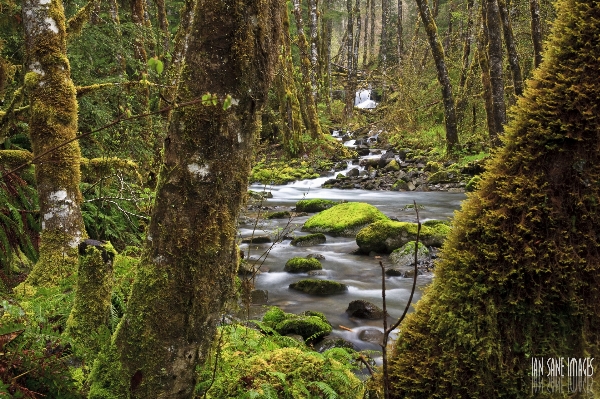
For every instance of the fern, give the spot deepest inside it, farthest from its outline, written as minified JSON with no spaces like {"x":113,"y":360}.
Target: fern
{"x":325,"y":388}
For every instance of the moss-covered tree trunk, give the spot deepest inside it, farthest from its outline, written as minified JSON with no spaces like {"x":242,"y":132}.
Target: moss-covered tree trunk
{"x":511,"y":48}
{"x":442,"y":75}
{"x":53,"y":121}
{"x":187,"y":272}
{"x":519,"y":275}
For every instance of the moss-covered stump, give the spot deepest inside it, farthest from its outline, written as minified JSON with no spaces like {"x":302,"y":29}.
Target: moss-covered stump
{"x":344,"y":219}
{"x":314,"y":205}
{"x":91,"y":307}
{"x":518,"y":278}
{"x":302,"y":265}
{"x":387,"y":235}
{"x":406,"y":254}
{"x":319,"y":287}
{"x":309,"y":240}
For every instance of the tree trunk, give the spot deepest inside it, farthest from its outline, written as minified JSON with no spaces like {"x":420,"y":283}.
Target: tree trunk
{"x":385,"y":33}
{"x":308,"y":99}
{"x":442,"y":75}
{"x":187,"y":272}
{"x":494,"y":36}
{"x":314,"y":56}
{"x":325,"y":53}
{"x":53,"y":111}
{"x":163,"y":25}
{"x":366,"y":36}
{"x":372,"y":35}
{"x":536,"y":32}
{"x":484,"y":65}
{"x":468,"y":39}
{"x":350,"y":62}
{"x":400,"y":45}
{"x":511,"y":48}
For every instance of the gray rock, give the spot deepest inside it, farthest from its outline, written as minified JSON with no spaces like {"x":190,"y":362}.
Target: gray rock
{"x":371,"y":335}
{"x":256,"y":240}
{"x":259,"y":297}
{"x":364,"y":310}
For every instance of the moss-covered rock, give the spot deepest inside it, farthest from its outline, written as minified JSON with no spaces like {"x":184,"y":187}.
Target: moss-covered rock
{"x":443,"y":177}
{"x":302,"y":265}
{"x":364,"y":310}
{"x":274,"y":316}
{"x":388,"y":235}
{"x":309,"y":240}
{"x":278,"y":215}
{"x":406,"y":254}
{"x":314,"y":205}
{"x":392,"y":166}
{"x":305,"y":326}
{"x":344,"y":219}
{"x":319,"y":287}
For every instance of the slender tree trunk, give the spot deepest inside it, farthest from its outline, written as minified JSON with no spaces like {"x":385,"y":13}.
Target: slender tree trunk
{"x":163,"y":25}
{"x":325,"y":53}
{"x":468,"y":39}
{"x":366,"y":35}
{"x":536,"y":31}
{"x":484,"y":64}
{"x":442,"y":75}
{"x":494,"y":36}
{"x":312,"y":119}
{"x":448,"y":39}
{"x":314,"y":56}
{"x":188,"y":269}
{"x":53,"y":111}
{"x":385,"y":31}
{"x":350,"y":62}
{"x":511,"y":48}
{"x":357,"y":36}
{"x":372,"y":35}
{"x":400,"y":38}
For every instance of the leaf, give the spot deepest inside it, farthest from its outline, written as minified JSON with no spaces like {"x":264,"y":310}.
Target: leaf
{"x":152,"y":63}
{"x":227,"y":102}
{"x":159,"y":66}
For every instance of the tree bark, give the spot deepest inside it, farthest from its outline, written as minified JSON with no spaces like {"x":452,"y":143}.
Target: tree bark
{"x":442,"y":75}
{"x":536,"y":32}
{"x":308,"y":96}
{"x":400,"y":45}
{"x":484,"y":65}
{"x":366,"y":36}
{"x":349,"y":107}
{"x":494,"y":36}
{"x":511,"y":48}
{"x":372,"y":35}
{"x":187,"y":272}
{"x":53,"y":111}
{"x":314,"y":56}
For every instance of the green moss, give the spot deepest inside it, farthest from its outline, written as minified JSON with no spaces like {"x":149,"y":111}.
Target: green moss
{"x":302,"y":265}
{"x":305,"y":326}
{"x":472,"y":184}
{"x":278,"y":215}
{"x":344,"y":219}
{"x":409,"y":249}
{"x":392,"y":166}
{"x":94,"y":169}
{"x":319,"y":287}
{"x":309,"y":240}
{"x":442,"y":177}
{"x":387,"y":235}
{"x":274,"y":316}
{"x":314,"y":205}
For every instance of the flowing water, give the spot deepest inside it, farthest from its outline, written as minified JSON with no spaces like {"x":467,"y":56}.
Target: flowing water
{"x":361,"y":273}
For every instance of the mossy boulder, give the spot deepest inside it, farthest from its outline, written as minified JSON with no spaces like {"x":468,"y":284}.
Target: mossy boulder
{"x":314,"y":205}
{"x":443,"y":176}
{"x":309,"y":240}
{"x":364,"y":310}
{"x":305,"y":326}
{"x":278,"y":215}
{"x":392,"y":166}
{"x":302,"y":265}
{"x":387,"y":235}
{"x":344,"y":219}
{"x":274,"y":316}
{"x":406,"y":254}
{"x":319,"y":287}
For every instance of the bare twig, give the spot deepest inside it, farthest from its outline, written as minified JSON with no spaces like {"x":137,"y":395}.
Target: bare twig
{"x":387,"y":331}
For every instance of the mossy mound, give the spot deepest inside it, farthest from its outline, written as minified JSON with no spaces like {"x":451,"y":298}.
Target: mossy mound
{"x":443,"y":176}
{"x":518,"y":276}
{"x":319,"y":287}
{"x":314,"y":205}
{"x":388,"y":235}
{"x":309,"y":324}
{"x":344,"y":219}
{"x":309,"y":240}
{"x":278,"y":215}
{"x":282,"y":172}
{"x":302,"y":265}
{"x":406,"y":254}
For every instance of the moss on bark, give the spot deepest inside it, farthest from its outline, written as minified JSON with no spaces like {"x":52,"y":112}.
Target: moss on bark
{"x":518,"y":276}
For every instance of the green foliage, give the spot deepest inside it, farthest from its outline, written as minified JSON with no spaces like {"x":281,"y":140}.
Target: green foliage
{"x":302,"y":265}
{"x":255,"y":365}
{"x":344,"y":219}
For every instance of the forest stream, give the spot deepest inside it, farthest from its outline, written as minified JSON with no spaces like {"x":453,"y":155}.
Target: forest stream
{"x":361,"y":273}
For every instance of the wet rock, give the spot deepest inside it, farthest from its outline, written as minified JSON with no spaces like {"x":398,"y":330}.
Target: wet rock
{"x":333,"y":342}
{"x":309,"y":240}
{"x":314,"y":205}
{"x":405,"y":255}
{"x":319,"y":287}
{"x":371,"y":335}
{"x":364,"y":310}
{"x":386,"y":158}
{"x":354,"y":172}
{"x":316,"y":256}
{"x":394,"y":272}
{"x":343,"y":219}
{"x":259,"y":297}
{"x":411,"y":273}
{"x":256,"y":239}
{"x":302,"y":265}
{"x":278,"y":215}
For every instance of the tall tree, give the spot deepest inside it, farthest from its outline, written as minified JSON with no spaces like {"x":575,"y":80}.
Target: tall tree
{"x":188,"y":269}
{"x":442,"y":74}
{"x":366,"y":36}
{"x":494,"y":37}
{"x":314,"y":56}
{"x":536,"y":31}
{"x":350,"y":61}
{"x":53,"y":110}
{"x":511,"y":48}
{"x":518,"y":276}
{"x":400,"y":45}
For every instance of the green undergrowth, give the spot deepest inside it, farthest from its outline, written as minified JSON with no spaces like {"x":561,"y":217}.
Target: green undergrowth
{"x":252,"y":364}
